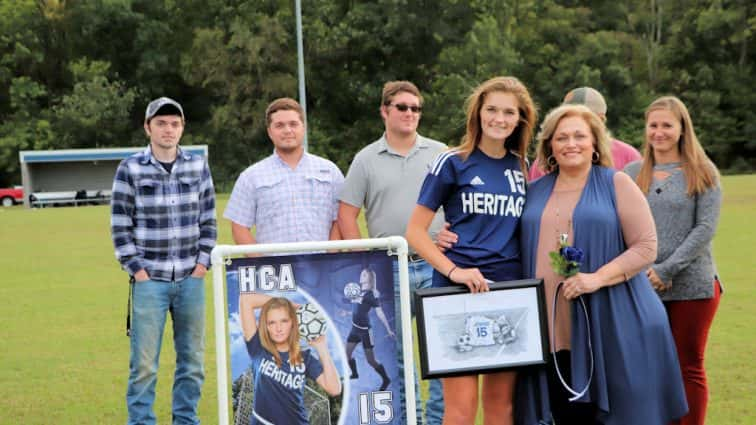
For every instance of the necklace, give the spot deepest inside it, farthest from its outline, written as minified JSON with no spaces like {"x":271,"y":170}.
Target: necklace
{"x":561,"y":238}
{"x":566,"y":186}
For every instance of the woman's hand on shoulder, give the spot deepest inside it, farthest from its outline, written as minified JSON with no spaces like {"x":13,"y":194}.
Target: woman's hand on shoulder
{"x":580,"y":284}
{"x":472,"y":278}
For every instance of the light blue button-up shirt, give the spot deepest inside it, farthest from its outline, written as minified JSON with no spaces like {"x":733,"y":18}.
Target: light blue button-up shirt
{"x":285,"y":204}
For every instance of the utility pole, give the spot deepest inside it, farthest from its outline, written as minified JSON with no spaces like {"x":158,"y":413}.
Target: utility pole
{"x":300,"y":66}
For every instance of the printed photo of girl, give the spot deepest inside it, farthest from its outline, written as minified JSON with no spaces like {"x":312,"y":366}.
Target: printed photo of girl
{"x":279,"y":364}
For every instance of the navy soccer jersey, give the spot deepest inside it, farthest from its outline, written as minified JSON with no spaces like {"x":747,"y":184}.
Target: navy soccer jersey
{"x":279,"y":392}
{"x":483,"y":199}
{"x":361,"y":310}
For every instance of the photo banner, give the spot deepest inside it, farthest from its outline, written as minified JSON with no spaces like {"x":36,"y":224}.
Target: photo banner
{"x":348,"y":298}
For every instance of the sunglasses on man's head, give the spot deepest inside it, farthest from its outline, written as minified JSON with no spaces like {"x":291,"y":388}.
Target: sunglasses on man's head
{"x":401,"y":107}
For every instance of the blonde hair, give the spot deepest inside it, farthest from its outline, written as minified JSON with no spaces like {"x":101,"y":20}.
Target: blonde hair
{"x":700,"y":172}
{"x":520,"y":138}
{"x":295,"y":354}
{"x":550,"y":124}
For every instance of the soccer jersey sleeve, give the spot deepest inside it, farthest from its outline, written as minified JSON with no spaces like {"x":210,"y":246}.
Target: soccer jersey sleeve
{"x":254,"y":347}
{"x":313,"y":367}
{"x":440,"y":181}
{"x":371,"y":300}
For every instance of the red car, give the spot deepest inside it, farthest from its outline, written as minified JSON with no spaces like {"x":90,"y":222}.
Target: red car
{"x":11,"y":196}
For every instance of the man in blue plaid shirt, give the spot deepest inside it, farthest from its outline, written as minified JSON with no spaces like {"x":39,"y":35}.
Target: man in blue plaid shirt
{"x":163,"y":228}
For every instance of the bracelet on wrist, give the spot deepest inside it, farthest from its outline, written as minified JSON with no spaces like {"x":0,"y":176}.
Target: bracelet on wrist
{"x":448,"y":275}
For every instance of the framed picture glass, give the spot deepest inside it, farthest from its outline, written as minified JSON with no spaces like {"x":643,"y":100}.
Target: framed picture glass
{"x":461,"y":333}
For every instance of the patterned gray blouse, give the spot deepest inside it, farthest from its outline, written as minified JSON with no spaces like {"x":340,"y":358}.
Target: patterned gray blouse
{"x":685,"y":227}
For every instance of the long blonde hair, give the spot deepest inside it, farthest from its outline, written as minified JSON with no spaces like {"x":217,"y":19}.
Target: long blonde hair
{"x":549,"y":126}
{"x":295,"y":354}
{"x":700,"y":172}
{"x":520,"y":138}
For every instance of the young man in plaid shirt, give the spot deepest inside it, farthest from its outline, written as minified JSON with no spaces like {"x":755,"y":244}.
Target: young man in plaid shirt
{"x":163,"y":228}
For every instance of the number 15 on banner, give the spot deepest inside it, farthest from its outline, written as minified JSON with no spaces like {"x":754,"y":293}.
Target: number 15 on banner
{"x":376,"y":408}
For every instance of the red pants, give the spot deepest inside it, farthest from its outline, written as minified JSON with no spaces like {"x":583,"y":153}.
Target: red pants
{"x":690,"y":322}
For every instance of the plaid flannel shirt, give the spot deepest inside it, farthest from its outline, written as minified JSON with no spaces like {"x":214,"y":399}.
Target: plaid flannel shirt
{"x":163,"y":222}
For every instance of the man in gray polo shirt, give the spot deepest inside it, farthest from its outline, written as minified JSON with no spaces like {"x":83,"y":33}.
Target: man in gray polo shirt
{"x":385,"y":178}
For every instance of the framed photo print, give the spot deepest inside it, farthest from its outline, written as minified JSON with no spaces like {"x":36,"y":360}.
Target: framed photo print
{"x":462,"y":333}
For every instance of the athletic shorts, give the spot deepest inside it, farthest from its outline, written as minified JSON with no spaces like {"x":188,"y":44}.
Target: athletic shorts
{"x":365,"y":336}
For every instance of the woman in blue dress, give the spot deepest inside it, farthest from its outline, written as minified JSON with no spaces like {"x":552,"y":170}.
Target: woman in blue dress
{"x":279,"y":364}
{"x":481,"y":186}
{"x":614,"y":360}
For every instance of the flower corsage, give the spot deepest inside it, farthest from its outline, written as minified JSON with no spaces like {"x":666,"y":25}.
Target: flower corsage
{"x":567,"y":260}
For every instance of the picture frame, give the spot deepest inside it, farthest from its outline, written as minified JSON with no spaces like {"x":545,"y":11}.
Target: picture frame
{"x":461,"y":333}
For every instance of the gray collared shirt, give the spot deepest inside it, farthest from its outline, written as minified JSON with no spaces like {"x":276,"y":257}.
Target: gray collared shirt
{"x":387,"y":184}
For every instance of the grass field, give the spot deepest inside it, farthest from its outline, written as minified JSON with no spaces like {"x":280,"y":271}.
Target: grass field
{"x":64,"y":353}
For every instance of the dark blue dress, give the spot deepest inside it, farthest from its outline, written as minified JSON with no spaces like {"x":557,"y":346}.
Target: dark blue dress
{"x":637,"y":379}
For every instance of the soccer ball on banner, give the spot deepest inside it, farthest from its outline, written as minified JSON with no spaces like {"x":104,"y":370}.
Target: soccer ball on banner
{"x":352,"y":291}
{"x":464,"y":343}
{"x":507,"y":333}
{"x":312,"y":323}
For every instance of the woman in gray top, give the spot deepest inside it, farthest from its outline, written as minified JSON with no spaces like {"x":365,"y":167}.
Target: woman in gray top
{"x":682,"y":187}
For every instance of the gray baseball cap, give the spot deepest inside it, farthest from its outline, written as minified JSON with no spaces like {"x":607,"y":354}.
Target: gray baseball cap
{"x":155,"y":105}
{"x":589,"y":97}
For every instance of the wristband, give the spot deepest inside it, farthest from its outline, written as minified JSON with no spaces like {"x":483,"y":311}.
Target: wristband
{"x":448,"y":275}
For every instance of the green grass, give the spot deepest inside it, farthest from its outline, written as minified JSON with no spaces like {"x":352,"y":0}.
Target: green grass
{"x":64,"y":354}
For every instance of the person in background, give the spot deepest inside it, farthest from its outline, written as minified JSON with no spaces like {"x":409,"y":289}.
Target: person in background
{"x":683,"y":190}
{"x":488,"y":165}
{"x":290,"y":196}
{"x":613,"y":359}
{"x":622,"y":153}
{"x":163,"y":227}
{"x":385,"y":178}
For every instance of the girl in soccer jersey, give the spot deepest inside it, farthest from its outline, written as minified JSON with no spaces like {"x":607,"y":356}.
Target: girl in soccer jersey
{"x":481,"y":186}
{"x":279,"y":364}
{"x":361,"y":331}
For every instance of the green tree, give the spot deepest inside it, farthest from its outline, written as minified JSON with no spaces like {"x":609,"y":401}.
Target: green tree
{"x":92,"y":115}
{"x":26,"y":127}
{"x":241,"y":64}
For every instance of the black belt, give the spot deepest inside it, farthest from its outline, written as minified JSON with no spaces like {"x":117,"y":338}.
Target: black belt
{"x":414,"y":258}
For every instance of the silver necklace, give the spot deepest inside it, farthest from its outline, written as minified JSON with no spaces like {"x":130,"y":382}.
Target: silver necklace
{"x":561,"y":237}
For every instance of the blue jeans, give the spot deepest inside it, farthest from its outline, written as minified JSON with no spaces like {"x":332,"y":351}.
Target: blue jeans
{"x":420,"y":276}
{"x":152,"y":300}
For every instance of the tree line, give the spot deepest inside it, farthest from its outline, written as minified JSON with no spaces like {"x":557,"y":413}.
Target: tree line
{"x":78,"y":73}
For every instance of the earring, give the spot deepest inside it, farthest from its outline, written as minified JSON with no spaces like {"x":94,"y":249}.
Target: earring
{"x":551,"y":161}
{"x":595,"y":156}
